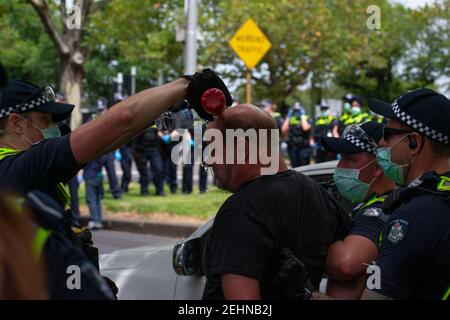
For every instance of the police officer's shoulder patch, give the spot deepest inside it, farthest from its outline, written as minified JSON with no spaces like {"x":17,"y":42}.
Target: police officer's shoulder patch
{"x":395,"y":232}
{"x":372,"y":212}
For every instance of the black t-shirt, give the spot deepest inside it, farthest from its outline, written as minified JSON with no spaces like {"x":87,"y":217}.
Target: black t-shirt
{"x":414,"y":255}
{"x":266,"y":215}
{"x":42,"y":167}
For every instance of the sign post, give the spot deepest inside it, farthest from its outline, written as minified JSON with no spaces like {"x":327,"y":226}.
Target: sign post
{"x":250,"y":45}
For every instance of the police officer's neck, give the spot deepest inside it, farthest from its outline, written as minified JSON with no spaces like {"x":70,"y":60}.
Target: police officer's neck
{"x":381,"y":185}
{"x":13,"y":142}
{"x":426,"y":163}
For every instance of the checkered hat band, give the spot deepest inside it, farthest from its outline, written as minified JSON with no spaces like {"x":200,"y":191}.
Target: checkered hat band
{"x":413,"y":123}
{"x":364,"y":145}
{"x":5,"y":112}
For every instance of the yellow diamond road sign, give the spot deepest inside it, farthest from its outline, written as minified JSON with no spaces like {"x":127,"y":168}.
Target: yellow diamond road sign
{"x":250,"y":44}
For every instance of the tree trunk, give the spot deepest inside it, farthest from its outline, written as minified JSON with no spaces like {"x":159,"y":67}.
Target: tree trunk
{"x":70,"y":85}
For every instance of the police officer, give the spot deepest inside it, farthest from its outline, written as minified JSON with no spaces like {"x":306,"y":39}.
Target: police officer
{"x":34,"y":156}
{"x":169,"y":167}
{"x":325,"y":126}
{"x":297,"y":126}
{"x":346,"y":111}
{"x":147,"y":149}
{"x":271,"y":108}
{"x":415,"y":244}
{"x":70,"y":274}
{"x":126,"y":162}
{"x":357,"y":115}
{"x":109,"y":163}
{"x":360,"y":179}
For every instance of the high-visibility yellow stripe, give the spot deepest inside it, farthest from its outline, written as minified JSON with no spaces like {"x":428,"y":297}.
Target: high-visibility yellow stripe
{"x":40,"y":238}
{"x":447,"y":294}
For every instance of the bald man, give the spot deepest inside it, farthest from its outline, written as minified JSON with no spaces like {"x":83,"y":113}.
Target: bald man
{"x":267,"y":212}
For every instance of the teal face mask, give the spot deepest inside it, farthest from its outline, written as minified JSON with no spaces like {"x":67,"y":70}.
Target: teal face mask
{"x":347,"y":107}
{"x":51,"y":132}
{"x":391,"y":170}
{"x":356,"y":111}
{"x":349,"y":185}
{"x":48,"y":133}
{"x":324,"y":113}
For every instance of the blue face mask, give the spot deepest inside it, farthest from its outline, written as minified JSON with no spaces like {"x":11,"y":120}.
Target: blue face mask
{"x":391,"y":170}
{"x":349,"y":185}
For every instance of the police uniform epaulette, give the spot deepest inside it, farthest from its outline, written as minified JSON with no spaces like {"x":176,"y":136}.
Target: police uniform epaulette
{"x":430,"y":182}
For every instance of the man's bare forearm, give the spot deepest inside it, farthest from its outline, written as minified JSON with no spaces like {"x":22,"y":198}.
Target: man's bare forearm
{"x":124,"y":121}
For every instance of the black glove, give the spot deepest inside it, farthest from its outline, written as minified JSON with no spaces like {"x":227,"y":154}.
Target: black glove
{"x":199,"y":83}
{"x":291,"y":277}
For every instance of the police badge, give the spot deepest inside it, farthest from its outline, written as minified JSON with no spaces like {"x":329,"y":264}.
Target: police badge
{"x":397,"y":231}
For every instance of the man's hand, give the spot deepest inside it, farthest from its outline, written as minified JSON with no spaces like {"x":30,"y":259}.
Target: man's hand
{"x":291,"y":277}
{"x":199,"y":83}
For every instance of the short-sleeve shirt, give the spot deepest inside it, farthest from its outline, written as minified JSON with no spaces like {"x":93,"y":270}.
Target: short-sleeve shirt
{"x":414,"y":255}
{"x":369,"y":221}
{"x":42,"y":167}
{"x":266,"y":215}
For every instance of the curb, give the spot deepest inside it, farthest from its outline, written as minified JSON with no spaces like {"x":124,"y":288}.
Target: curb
{"x":155,"y":228}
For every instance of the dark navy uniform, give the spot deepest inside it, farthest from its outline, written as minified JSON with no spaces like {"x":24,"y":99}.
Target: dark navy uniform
{"x":61,"y":257}
{"x":323,"y":128}
{"x":298,"y":141}
{"x":147,"y":148}
{"x":126,"y":163}
{"x":414,"y":254}
{"x":369,"y":219}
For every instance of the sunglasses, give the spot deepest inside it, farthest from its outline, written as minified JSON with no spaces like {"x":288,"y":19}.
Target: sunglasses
{"x":389,"y":132}
{"x":47,"y":92}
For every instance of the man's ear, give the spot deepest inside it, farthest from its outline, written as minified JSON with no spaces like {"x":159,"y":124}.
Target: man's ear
{"x":416,"y":142}
{"x":15,"y":124}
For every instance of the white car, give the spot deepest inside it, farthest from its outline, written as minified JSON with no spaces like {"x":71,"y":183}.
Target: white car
{"x":174,"y":270}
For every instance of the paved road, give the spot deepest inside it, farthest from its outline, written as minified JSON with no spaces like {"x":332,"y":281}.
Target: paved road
{"x":110,"y":241}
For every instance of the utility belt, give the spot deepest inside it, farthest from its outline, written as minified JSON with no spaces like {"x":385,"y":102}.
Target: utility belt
{"x":298,"y":141}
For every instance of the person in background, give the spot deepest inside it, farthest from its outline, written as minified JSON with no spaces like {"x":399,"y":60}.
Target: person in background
{"x":326,"y":125}
{"x":188,"y":168}
{"x":271,"y":108}
{"x":357,"y":115}
{"x":109,"y":163}
{"x":147,"y":149}
{"x":93,"y":178}
{"x":169,"y":167}
{"x":346,"y":111}
{"x":126,"y":163}
{"x":297,"y":126}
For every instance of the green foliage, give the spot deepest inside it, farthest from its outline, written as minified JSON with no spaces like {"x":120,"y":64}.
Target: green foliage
{"x":27,"y":52}
{"x":319,"y":48}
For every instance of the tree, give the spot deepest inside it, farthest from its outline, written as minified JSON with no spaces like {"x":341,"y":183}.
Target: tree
{"x":67,"y":37}
{"x":139,"y":33}
{"x":25,"y":52}
{"x":429,"y":53}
